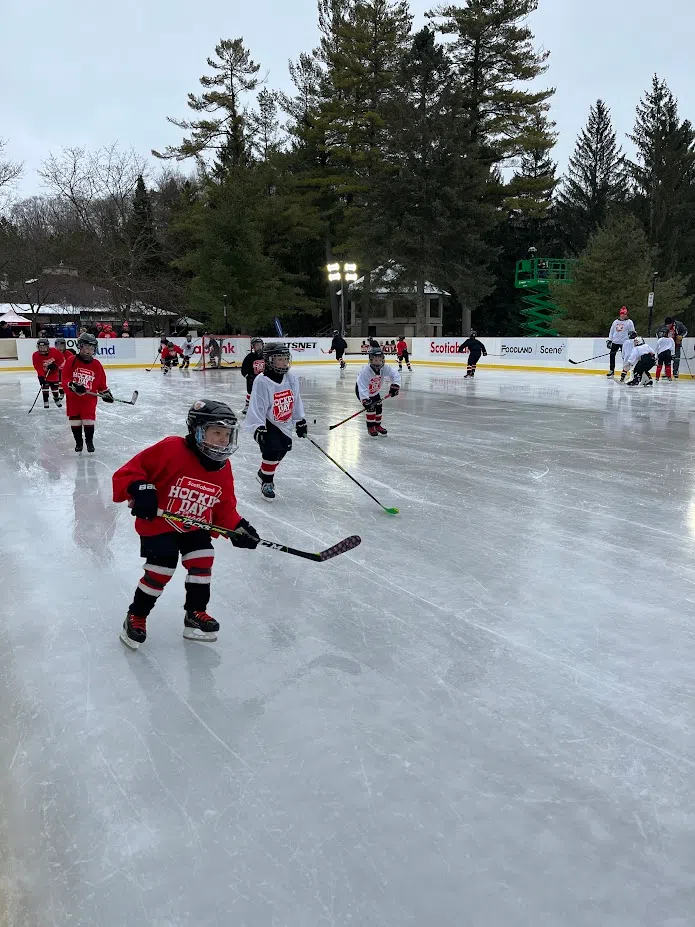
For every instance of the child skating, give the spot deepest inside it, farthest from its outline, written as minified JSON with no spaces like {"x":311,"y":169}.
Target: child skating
{"x":83,"y":378}
{"x":402,"y":353}
{"x":665,"y":349}
{"x":368,"y":389}
{"x":48,"y":364}
{"x":251,"y":367}
{"x":187,"y":476}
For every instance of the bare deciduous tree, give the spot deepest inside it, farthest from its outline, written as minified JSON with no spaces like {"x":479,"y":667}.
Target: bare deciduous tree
{"x":10,"y":171}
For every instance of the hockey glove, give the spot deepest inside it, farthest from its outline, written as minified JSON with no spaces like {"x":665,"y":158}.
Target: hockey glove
{"x":77,"y":388}
{"x":371,"y":402}
{"x":609,"y":344}
{"x":106,"y":395}
{"x":259,"y":436}
{"x":50,"y":366}
{"x":394,"y":391}
{"x":301,"y":429}
{"x":249,"y":537}
{"x":144,"y":497}
{"x":43,"y":381}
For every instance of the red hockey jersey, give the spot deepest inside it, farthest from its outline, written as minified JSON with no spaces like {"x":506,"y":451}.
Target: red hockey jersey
{"x":171,"y":351}
{"x":91,"y":375}
{"x":41,"y":362}
{"x":183,"y":486}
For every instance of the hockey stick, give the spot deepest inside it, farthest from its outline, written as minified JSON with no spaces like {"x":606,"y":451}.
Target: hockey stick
{"x":127,"y":402}
{"x":35,"y":401}
{"x":354,"y":415}
{"x":391,"y":511}
{"x":340,"y":548}
{"x":590,"y":358}
{"x":150,"y":369}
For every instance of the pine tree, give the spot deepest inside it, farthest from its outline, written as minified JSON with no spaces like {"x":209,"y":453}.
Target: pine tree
{"x":430,"y":210}
{"x":596,"y":180}
{"x":614,"y":270}
{"x":530,"y":192}
{"x":663,"y":175}
{"x":225,"y":130}
{"x":496,"y":60}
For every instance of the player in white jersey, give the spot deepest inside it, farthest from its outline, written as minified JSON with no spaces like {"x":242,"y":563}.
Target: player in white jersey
{"x":275,"y":407}
{"x":369,"y":385}
{"x":641,"y":360}
{"x":621,"y":329}
{"x":188,"y":351}
{"x":665,"y":349}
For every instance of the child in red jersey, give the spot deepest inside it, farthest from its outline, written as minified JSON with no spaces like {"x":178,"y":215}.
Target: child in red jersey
{"x":61,"y":346}
{"x":170,"y":354}
{"x":48,"y":363}
{"x":83,"y":374}
{"x":187,"y":476}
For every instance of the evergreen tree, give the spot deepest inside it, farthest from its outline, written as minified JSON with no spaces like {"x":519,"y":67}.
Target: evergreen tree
{"x":596,"y":180}
{"x":614,"y":269}
{"x":224,"y":129}
{"x":530,"y":191}
{"x":429,"y":203}
{"x":663,"y":175}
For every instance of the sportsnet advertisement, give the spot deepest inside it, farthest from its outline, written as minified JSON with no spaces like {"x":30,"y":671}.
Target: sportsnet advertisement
{"x":507,"y":352}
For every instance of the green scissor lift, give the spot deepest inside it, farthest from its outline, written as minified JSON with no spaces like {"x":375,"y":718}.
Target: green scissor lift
{"x":534,"y":276}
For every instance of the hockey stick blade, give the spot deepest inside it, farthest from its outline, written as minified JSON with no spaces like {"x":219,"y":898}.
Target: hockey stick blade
{"x":342,"y":547}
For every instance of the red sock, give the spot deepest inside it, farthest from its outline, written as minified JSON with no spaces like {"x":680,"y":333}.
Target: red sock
{"x":668,"y":372}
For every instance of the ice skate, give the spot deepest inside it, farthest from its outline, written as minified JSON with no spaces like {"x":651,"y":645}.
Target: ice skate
{"x":373,"y":433}
{"x":79,"y":447}
{"x":648,"y":383}
{"x":381,"y":431}
{"x":90,"y":447}
{"x":267,"y":487}
{"x":134,"y":631}
{"x":58,"y":403}
{"x":635,"y":381}
{"x":45,"y":403}
{"x":199,"y":626}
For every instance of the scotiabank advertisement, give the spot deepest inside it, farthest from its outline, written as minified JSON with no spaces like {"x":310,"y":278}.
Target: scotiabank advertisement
{"x":532,"y":352}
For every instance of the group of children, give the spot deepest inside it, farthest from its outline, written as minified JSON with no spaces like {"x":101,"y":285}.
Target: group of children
{"x":76,"y":377}
{"x":638,"y":356}
{"x":192,"y":478}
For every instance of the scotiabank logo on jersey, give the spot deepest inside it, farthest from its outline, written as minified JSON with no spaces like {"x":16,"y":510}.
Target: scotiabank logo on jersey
{"x":283,"y":403}
{"x":374,"y":386}
{"x":258,"y":366}
{"x":193,"y":497}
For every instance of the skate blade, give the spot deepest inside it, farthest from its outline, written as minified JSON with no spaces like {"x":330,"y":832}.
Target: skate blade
{"x":193,"y":634}
{"x":131,"y":645}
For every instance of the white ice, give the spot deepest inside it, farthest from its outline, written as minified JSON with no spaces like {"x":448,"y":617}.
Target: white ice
{"x":481,"y":717}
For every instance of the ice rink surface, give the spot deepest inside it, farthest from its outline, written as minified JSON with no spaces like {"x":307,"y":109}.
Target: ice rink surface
{"x":482,"y":717}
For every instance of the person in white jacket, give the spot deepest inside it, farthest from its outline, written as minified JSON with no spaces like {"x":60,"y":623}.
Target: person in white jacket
{"x":275,"y":407}
{"x":641,"y":360}
{"x":665,"y":349}
{"x":621,"y":329}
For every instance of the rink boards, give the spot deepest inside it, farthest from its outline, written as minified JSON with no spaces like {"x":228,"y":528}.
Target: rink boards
{"x":540,"y":354}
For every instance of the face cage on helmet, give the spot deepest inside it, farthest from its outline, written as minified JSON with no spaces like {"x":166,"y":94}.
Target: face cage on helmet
{"x":214,"y":452}
{"x":272,"y":357}
{"x":85,"y":347}
{"x":377,"y":357}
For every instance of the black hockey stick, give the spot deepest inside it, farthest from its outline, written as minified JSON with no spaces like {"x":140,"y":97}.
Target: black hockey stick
{"x":150,"y":369}
{"x":35,"y":401}
{"x":591,"y":358}
{"x":127,"y":402}
{"x":391,"y":511}
{"x":340,"y":548}
{"x":354,"y":415}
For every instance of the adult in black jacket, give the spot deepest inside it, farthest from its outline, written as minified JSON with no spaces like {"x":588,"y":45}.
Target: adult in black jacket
{"x":475,"y":349}
{"x":339,"y":345}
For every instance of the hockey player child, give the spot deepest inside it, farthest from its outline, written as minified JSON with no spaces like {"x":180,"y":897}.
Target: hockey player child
{"x":475,"y":349}
{"x":275,"y":406}
{"x":170,"y":354}
{"x":641,"y":360}
{"x":186,"y":476}
{"x":368,"y":389}
{"x":48,"y":363}
{"x":621,"y":329}
{"x":402,"y":352}
{"x":251,"y":367}
{"x":84,"y":374}
{"x":339,"y":345}
{"x":677,"y":331}
{"x":188,"y":351}
{"x":62,"y":346}
{"x":665,"y":348}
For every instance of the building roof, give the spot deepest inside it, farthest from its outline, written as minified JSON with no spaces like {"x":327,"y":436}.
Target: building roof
{"x":386,"y":275}
{"x":53,"y":309}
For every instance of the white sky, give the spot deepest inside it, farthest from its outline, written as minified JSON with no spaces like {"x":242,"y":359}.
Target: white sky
{"x":82,"y":73}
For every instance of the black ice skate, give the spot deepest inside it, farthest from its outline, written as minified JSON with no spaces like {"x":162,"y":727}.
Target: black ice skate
{"x":90,"y":447}
{"x":58,"y":403}
{"x":648,"y":383}
{"x":267,"y":487}
{"x":380,"y":430}
{"x":199,"y":626}
{"x":610,"y":374}
{"x":45,"y":403}
{"x":134,"y":631}
{"x":635,"y":381}
{"x":79,"y":447}
{"x":622,"y":377}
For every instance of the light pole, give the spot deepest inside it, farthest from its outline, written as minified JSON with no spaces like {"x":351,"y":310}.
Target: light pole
{"x":650,"y":303}
{"x":224,"y":307}
{"x":342,"y":273}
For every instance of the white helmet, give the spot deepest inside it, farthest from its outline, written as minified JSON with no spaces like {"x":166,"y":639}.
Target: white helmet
{"x":638,"y":340}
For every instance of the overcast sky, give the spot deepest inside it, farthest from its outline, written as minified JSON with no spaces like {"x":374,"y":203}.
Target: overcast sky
{"x":78,"y":72}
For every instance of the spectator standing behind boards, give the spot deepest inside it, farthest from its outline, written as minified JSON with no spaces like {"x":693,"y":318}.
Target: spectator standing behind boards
{"x":5,"y":330}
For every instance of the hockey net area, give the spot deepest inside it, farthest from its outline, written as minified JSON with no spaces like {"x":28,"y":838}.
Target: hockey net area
{"x":211,"y":358}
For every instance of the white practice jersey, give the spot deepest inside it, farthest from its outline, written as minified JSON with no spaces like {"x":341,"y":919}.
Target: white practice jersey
{"x":370,"y":383}
{"x":639,"y":351}
{"x":665,"y":344}
{"x":626,"y":351}
{"x":620,"y":330}
{"x":188,"y":349}
{"x":278,"y":403}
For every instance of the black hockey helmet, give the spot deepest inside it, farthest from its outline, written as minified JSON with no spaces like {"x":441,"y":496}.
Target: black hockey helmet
{"x":255,"y":341}
{"x":374,"y":354}
{"x":275,"y":351}
{"x":60,"y":340}
{"x":207,"y":412}
{"x":474,"y":334}
{"x":43,"y":343}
